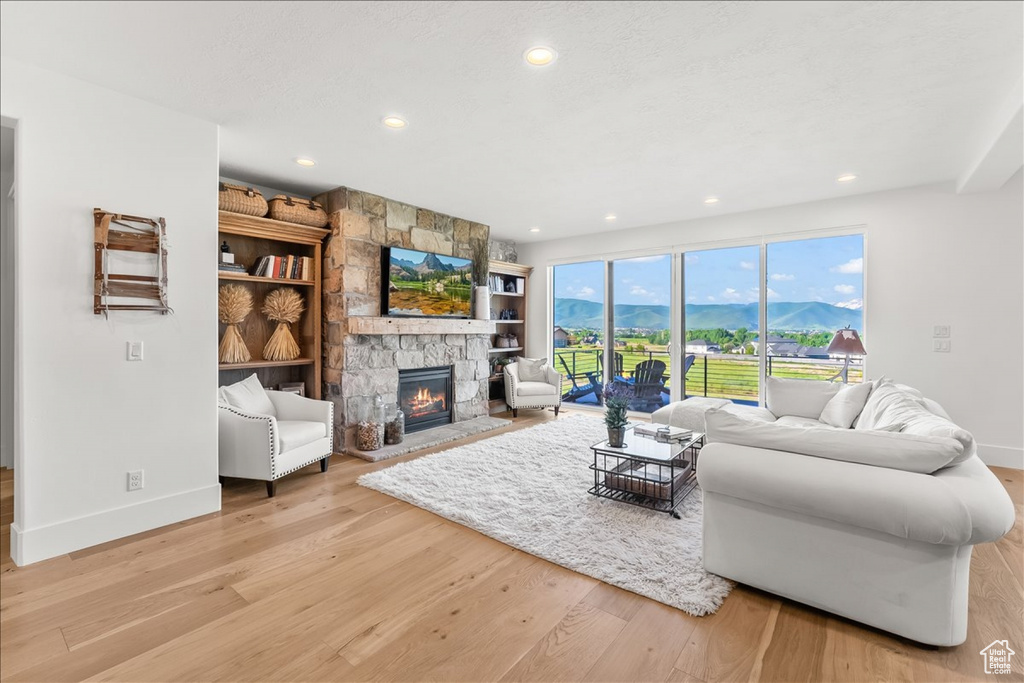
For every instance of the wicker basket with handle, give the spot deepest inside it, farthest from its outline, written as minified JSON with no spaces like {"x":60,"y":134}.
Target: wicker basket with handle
{"x":241,"y":199}
{"x":295,"y":210}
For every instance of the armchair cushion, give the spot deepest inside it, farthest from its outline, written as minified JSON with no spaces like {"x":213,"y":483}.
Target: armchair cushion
{"x":249,"y":396}
{"x":296,"y":433}
{"x":533,"y":369}
{"x":536,"y":389}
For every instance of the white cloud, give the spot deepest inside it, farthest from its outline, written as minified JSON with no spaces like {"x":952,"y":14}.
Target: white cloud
{"x":711,"y":298}
{"x":691,"y":258}
{"x":853,"y":304}
{"x":845,"y":289}
{"x":747,"y":265}
{"x":581,"y":291}
{"x":637,"y":290}
{"x":626,"y":280}
{"x":772,"y":294}
{"x":730,"y":294}
{"x":783,"y":277}
{"x":851,"y":267}
{"x":691,"y":298}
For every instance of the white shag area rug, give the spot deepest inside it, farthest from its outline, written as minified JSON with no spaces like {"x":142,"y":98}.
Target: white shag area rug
{"x":528,"y":489}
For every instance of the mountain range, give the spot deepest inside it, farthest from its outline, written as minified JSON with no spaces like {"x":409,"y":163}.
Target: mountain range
{"x":792,"y":316}
{"x":402,"y":268}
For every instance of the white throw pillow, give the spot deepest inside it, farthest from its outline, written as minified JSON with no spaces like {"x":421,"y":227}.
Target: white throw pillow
{"x":799,"y":397}
{"x":908,"y":452}
{"x":533,"y":369}
{"x":843,"y":408}
{"x":249,"y":396}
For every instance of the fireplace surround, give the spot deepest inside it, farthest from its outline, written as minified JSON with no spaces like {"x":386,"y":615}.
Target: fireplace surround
{"x":425,"y":396}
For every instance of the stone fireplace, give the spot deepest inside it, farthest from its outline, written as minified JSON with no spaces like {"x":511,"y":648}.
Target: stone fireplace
{"x":364,"y":354}
{"x":425,"y":396}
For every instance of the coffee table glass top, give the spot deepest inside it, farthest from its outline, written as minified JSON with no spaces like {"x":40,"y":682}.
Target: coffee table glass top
{"x":646,"y":448}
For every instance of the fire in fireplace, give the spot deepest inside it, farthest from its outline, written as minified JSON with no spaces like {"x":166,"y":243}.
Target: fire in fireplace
{"x":425,"y":396}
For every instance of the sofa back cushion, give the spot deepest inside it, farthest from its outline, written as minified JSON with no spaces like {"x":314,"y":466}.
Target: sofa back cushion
{"x":249,"y":396}
{"x":799,"y":397}
{"x":843,"y":408}
{"x":895,"y":450}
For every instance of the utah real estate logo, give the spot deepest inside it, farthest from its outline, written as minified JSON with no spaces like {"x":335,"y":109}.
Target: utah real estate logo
{"x":997,"y":657}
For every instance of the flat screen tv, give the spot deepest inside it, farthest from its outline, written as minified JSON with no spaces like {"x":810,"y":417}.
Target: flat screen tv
{"x":424,"y":285}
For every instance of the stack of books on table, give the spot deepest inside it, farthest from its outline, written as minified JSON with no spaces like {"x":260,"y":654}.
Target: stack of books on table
{"x":663,"y":433}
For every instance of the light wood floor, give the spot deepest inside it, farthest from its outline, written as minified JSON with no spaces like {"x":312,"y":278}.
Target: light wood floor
{"x":331,"y":581}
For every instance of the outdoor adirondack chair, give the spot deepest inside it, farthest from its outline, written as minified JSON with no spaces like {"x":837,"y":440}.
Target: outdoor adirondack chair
{"x":648,"y":384}
{"x":579,"y":389}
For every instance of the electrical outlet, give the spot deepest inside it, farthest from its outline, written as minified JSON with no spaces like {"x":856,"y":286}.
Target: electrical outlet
{"x":940,"y":345}
{"x":941,"y":332}
{"x":135,"y":480}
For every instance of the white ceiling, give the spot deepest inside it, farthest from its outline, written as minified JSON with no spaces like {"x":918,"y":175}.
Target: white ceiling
{"x":649,"y":108}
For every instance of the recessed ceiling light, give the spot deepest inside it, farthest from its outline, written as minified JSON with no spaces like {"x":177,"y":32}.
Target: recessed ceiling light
{"x":711,"y":200}
{"x":302,"y":161}
{"x":610,"y":217}
{"x":540,"y":56}
{"x":394,"y":122}
{"x":534,"y":229}
{"x":845,"y":178}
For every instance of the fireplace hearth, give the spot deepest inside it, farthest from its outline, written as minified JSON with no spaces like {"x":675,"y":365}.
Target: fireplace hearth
{"x":425,"y":396}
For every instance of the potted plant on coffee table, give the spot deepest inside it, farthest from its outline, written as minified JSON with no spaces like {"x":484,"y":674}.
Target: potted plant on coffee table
{"x":617,"y":396}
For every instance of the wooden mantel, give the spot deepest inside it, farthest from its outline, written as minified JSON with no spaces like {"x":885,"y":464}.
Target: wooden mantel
{"x":371,"y":325}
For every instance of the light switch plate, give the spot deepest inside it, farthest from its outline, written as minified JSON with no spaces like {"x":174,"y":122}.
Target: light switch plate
{"x":135,"y":350}
{"x":941,"y":332}
{"x":940,"y":345}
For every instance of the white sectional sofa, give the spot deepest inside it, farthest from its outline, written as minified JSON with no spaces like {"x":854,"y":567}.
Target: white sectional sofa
{"x":872,"y":517}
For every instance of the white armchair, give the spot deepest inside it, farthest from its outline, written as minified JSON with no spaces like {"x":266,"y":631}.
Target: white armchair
{"x":267,"y":439}
{"x":520,"y":394}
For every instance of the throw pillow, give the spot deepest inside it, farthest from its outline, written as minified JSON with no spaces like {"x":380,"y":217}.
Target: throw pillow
{"x":799,"y":397}
{"x":899,"y":451}
{"x":843,"y":408}
{"x":249,"y":396}
{"x":533,"y":369}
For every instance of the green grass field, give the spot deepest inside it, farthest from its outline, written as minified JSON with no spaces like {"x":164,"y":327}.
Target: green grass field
{"x":728,"y":376}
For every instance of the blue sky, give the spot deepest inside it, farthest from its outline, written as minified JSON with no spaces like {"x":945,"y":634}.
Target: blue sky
{"x":824,"y":269}
{"x":416,"y":257}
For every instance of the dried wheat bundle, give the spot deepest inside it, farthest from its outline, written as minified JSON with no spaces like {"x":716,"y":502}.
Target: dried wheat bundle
{"x":234,"y":302}
{"x":284,"y":306}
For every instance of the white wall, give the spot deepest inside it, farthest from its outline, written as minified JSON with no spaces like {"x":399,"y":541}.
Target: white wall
{"x":932,"y":257}
{"x":6,"y":296}
{"x":86,"y":415}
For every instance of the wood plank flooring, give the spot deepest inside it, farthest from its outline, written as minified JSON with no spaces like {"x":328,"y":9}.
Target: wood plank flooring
{"x":333,"y":582}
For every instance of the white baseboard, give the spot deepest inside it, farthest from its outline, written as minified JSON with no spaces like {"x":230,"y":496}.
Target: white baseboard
{"x":41,"y":543}
{"x":1001,"y":456}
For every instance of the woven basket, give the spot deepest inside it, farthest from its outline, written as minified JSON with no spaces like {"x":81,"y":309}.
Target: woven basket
{"x":295,"y":210}
{"x":241,"y":199}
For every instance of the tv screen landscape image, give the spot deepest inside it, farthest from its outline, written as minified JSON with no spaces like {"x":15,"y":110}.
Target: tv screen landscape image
{"x":429,"y":285}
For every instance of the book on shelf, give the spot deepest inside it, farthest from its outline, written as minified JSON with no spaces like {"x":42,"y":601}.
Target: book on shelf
{"x":289,"y":267}
{"x":231,"y":267}
{"x":520,"y":285}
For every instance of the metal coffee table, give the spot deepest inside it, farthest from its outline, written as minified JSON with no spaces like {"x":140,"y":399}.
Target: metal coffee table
{"x":646,"y":472}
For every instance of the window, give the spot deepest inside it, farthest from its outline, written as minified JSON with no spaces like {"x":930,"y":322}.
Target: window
{"x":814,"y":287}
{"x":721,"y":322}
{"x":579,"y":330}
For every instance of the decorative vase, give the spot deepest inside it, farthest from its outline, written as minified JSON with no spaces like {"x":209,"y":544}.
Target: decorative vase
{"x":482,"y":303}
{"x":615,"y":436}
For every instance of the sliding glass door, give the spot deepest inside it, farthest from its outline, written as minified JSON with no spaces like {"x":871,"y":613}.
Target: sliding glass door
{"x":578,"y":335}
{"x":722,"y":317}
{"x":709,"y":322}
{"x":641,"y":328}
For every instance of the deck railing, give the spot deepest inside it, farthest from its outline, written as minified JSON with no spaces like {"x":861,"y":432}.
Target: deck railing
{"x":725,"y":375}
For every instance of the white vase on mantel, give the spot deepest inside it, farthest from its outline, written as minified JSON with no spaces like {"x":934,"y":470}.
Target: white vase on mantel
{"x":482,"y":302}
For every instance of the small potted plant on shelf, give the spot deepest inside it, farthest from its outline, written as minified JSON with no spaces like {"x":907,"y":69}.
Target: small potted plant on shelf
{"x":617,"y":396}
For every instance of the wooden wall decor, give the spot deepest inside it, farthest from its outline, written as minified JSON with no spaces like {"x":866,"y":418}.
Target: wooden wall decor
{"x":140,"y":235}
